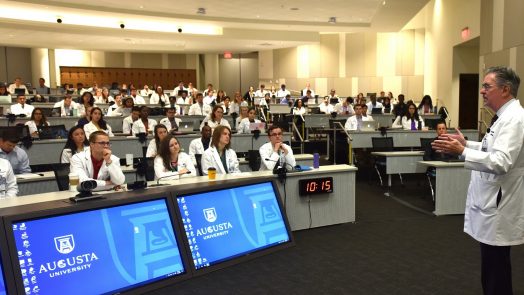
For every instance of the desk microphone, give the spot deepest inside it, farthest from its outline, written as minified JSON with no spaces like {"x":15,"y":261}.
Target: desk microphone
{"x":166,"y":176}
{"x":289,"y":165}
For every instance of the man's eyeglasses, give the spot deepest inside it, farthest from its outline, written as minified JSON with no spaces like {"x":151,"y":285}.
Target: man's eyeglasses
{"x":276,"y":134}
{"x":486,"y":86}
{"x":103,"y":143}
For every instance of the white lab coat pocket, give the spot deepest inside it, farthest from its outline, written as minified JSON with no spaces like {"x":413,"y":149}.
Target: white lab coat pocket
{"x":483,"y":194}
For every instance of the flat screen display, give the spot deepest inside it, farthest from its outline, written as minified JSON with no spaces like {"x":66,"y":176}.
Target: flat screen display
{"x":99,"y":251}
{"x":3,"y":288}
{"x":224,"y":224}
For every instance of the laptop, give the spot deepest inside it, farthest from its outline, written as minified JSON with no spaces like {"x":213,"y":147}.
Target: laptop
{"x":257,"y":126}
{"x":53,"y":132}
{"x":5,"y":99}
{"x":19,"y":91}
{"x":368,"y":126}
{"x":186,"y":127}
{"x":47,"y":112}
{"x":376,"y":111}
{"x":56,"y":112}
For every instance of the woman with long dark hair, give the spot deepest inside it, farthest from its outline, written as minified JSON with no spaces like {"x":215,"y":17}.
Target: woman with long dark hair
{"x":76,"y":142}
{"x":159,"y":97}
{"x":411,"y":120}
{"x":216,"y":118}
{"x":160,"y":132}
{"x":220,"y":155}
{"x":426,"y":105}
{"x":97,"y":123}
{"x":38,"y":120}
{"x":85,"y":101}
{"x":171,"y":163}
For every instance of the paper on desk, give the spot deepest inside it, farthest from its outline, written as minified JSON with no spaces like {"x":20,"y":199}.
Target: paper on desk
{"x":28,"y":176}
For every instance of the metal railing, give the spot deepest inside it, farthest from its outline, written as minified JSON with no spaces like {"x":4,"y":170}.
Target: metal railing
{"x":294,"y":126}
{"x":350,"y":146}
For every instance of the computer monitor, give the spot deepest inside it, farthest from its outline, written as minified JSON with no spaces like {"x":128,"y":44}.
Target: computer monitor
{"x":7,"y":285}
{"x":111,"y":248}
{"x":53,"y":132}
{"x":19,"y":91}
{"x":227,"y":224}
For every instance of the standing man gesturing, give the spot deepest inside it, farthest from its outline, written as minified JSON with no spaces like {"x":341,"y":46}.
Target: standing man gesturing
{"x":495,"y":204}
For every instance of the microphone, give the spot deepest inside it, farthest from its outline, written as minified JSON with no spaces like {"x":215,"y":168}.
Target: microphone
{"x":166,"y":176}
{"x":289,"y":165}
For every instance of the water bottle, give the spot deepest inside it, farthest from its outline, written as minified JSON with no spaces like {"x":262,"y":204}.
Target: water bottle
{"x":316,"y":160}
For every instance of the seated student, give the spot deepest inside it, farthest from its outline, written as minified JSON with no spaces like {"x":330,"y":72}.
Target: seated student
{"x":183,"y":99}
{"x":137,"y":99}
{"x":243,"y":114}
{"x":97,"y":162}
{"x":17,"y":84}
{"x":226,"y":105}
{"x":84,"y":102}
{"x":215,"y":119}
{"x":365,"y":113}
{"x":146,"y":91}
{"x":86,"y":118}
{"x":127,"y":123}
{"x":275,"y":151}
{"x":373,"y":104}
{"x":299,"y":109}
{"x":103,"y":96}
{"x":159,"y":97}
{"x":199,"y":145}
{"x":171,"y":163}
{"x":345,"y":107}
{"x":97,"y":123}
{"x":144,"y":124}
{"x":386,"y":103}
{"x":199,"y":108}
{"x":38,"y":98}
{"x":4,"y":92}
{"x":411,"y":120}
{"x":326,"y":107}
{"x":432,"y":155}
{"x":21,"y":108}
{"x":115,"y":110}
{"x":355,"y":122}
{"x":171,"y":122}
{"x":243,"y":127}
{"x":14,"y":154}
{"x":286,"y":100}
{"x":425,"y":106}
{"x":8,"y":186}
{"x":76,"y":142}
{"x":42,"y":88}
{"x":219,"y":155}
{"x":67,"y":106}
{"x":160,"y":133}
{"x":38,"y":120}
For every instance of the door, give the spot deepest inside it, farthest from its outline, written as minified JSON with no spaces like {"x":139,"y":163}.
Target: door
{"x":468,"y":101}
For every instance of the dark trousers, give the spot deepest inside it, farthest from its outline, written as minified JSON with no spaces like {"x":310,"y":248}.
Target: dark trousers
{"x":496,"y":270}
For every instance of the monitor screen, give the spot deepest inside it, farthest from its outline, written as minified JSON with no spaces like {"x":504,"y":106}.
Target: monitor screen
{"x":3,"y":288}
{"x":224,"y":224}
{"x":103,"y":250}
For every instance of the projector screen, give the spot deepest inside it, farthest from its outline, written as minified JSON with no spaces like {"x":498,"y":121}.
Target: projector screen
{"x":227,"y":223}
{"x":103,"y":250}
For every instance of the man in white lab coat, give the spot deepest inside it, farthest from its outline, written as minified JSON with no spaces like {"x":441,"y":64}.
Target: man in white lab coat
{"x":495,"y":204}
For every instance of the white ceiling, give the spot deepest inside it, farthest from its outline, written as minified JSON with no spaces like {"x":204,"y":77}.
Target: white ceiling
{"x":246,"y":25}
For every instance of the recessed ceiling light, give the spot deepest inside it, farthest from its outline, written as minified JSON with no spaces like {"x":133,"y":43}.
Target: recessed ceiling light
{"x":383,"y":2}
{"x":201,"y":10}
{"x":141,"y":6}
{"x":294,"y":8}
{"x":258,"y":16}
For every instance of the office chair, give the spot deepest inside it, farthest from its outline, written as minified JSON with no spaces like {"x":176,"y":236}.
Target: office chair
{"x":254,"y":160}
{"x":382,"y":144}
{"x":198,"y":158}
{"x":61,"y":172}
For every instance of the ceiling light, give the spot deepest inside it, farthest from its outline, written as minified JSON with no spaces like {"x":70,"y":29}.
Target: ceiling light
{"x":294,"y":8}
{"x":332,"y":20}
{"x":201,"y":10}
{"x":384,"y":2}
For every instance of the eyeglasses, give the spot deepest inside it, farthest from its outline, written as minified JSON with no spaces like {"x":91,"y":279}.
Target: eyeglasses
{"x":486,"y":86}
{"x":276,"y":134}
{"x":103,"y":143}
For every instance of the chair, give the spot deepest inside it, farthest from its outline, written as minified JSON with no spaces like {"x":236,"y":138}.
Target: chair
{"x":198,"y":158}
{"x":430,"y":173}
{"x":254,"y":160}
{"x":62,"y":175}
{"x":382,"y":144}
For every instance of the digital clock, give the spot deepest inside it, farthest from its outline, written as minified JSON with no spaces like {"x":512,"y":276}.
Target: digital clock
{"x":322,"y":185}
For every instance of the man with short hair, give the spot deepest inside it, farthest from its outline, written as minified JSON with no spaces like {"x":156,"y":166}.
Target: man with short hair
{"x":199,"y":108}
{"x":98,"y":163}
{"x":495,"y":203}
{"x":308,"y":87}
{"x":144,"y":124}
{"x":276,"y":153}
{"x":325,"y":107}
{"x":21,"y":108}
{"x":137,"y":99}
{"x":17,"y":84}
{"x":282,"y":92}
{"x":262,"y":91}
{"x":171,"y":122}
{"x":127,"y":123}
{"x":374,"y":104}
{"x":198,"y":145}
{"x":179,"y":88}
{"x":16,"y":156}
{"x":67,"y":105}
{"x":308,"y":98}
{"x":42,"y":88}
{"x":354,"y":123}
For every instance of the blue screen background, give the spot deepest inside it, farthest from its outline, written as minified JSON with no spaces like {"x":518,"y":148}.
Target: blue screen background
{"x":247,"y":219}
{"x":133,"y":244}
{"x":3,"y":291}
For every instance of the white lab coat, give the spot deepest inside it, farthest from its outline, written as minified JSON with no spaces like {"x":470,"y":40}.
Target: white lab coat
{"x":405,"y":123}
{"x":210,"y":158}
{"x":377,"y":105}
{"x":155,"y":98}
{"x":32,"y":126}
{"x":352,"y":124}
{"x":139,"y":127}
{"x":214,"y":124}
{"x":8,"y":186}
{"x":266,"y":152}
{"x":17,"y":109}
{"x":202,"y":110}
{"x":90,"y":128}
{"x":196,"y":147}
{"x":184,"y":161}
{"x":81,"y":165}
{"x":243,"y":127}
{"x":499,"y":167}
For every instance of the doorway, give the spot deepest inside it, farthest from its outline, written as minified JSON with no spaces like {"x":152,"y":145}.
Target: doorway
{"x":468,"y":100}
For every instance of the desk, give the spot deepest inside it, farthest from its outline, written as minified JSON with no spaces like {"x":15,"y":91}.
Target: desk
{"x":326,"y":209}
{"x":401,"y":162}
{"x":451,"y":189}
{"x":301,"y":159}
{"x":49,"y":151}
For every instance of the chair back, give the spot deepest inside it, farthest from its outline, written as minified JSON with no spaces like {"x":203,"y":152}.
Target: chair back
{"x":382,"y":144}
{"x":198,"y":158}
{"x":425,"y":142}
{"x":62,"y":175}
{"x":254,"y":160}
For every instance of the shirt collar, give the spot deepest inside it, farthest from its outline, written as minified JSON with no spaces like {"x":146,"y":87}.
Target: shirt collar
{"x":505,"y":106}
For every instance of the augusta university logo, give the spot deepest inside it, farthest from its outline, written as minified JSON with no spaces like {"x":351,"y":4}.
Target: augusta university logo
{"x":210,"y":214}
{"x":65,"y":244}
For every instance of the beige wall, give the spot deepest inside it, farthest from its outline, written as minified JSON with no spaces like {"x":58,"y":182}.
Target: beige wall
{"x":15,"y":62}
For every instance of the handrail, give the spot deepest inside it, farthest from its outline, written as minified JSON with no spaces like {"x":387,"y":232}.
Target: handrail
{"x":350,"y":140}
{"x":299,"y":136}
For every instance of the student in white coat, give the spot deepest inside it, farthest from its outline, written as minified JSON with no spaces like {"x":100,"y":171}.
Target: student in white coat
{"x":97,"y":123}
{"x":76,"y":143}
{"x":170,"y":121}
{"x":243,"y":127}
{"x":215,"y":119}
{"x":354,"y":123}
{"x":219,"y":155}
{"x":21,"y":108}
{"x":275,"y":151}
{"x":159,"y":97}
{"x":199,"y":108}
{"x":144,"y":124}
{"x":160,"y":133}
{"x":98,"y":163}
{"x":411,"y":120}
{"x":8,"y":186}
{"x":171,"y":163}
{"x":199,"y":145}
{"x":495,"y":203}
{"x":38,"y":120}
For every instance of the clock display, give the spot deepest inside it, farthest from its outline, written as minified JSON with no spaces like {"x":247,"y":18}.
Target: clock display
{"x":315,"y":186}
